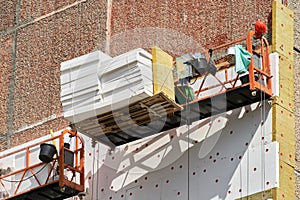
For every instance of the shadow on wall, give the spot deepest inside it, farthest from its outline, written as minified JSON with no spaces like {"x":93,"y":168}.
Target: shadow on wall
{"x":200,"y":145}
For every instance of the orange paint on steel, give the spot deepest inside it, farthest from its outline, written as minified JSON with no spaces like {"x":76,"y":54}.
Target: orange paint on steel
{"x":52,"y":169}
{"x":251,"y":66}
{"x":33,"y":174}
{"x":79,"y":168}
{"x":20,"y":182}
{"x":265,"y":71}
{"x":216,"y":85}
{"x":226,"y":75}
{"x":61,"y":160}
{"x":202,"y":84}
{"x":76,"y":155}
{"x":23,"y":149}
{"x":229,"y":43}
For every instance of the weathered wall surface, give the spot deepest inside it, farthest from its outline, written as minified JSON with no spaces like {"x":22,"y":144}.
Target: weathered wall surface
{"x":6,"y":58}
{"x":209,"y":23}
{"x":35,"y":39}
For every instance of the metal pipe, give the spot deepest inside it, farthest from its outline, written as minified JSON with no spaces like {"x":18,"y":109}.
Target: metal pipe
{"x":296,"y":49}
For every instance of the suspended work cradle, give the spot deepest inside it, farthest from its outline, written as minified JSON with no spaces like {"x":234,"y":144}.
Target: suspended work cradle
{"x":254,"y":86}
{"x":56,"y":173}
{"x":154,"y":110}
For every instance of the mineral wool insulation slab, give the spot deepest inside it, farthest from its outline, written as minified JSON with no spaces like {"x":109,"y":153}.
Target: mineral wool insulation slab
{"x":95,"y":83}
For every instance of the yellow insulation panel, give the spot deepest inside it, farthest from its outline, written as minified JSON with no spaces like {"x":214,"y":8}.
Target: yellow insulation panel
{"x":261,"y":196}
{"x":286,"y":82}
{"x":162,"y":72}
{"x":284,"y":133}
{"x":286,"y":93}
{"x":283,"y":121}
{"x":285,"y":101}
{"x":286,"y":68}
{"x":286,"y":189}
{"x":283,"y":106}
{"x":282,"y":30}
{"x":286,"y":153}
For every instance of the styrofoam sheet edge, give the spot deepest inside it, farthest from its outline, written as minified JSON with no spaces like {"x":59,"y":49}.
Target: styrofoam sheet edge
{"x":85,"y":112}
{"x":84,"y":59}
{"x":138,"y":55}
{"x":274,"y":64}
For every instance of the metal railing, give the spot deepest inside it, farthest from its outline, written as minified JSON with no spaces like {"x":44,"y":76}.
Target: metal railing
{"x":258,"y":77}
{"x":33,"y":167}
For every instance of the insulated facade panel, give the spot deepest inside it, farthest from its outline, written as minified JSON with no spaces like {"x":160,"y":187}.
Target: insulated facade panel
{"x":283,"y":108}
{"x":286,"y":84}
{"x":283,"y":29}
{"x":163,"y":72}
{"x":286,"y":190}
{"x":79,"y":82}
{"x":261,"y":195}
{"x":284,"y":133}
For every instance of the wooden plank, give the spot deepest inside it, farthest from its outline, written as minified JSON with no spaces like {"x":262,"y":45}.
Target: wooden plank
{"x":138,"y":113}
{"x":162,"y":66}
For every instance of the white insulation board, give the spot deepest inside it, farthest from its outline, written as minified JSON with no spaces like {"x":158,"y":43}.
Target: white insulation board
{"x":96,"y":83}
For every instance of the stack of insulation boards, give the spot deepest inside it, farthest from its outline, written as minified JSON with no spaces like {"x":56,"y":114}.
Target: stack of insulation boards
{"x":95,"y":83}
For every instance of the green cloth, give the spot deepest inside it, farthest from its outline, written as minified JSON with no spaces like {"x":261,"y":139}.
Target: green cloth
{"x":189,"y":93}
{"x":242,"y":59}
{"x":184,"y":94}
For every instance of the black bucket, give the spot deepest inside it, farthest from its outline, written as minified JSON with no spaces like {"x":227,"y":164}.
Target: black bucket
{"x":67,"y":145}
{"x":47,"y":151}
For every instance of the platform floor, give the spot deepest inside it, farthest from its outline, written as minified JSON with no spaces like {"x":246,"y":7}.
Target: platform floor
{"x":166,"y":115}
{"x":46,"y":192}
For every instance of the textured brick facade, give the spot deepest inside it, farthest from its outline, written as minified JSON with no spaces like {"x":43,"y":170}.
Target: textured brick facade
{"x":44,"y":36}
{"x":6,"y":59}
{"x":36,"y":37}
{"x":7,"y":14}
{"x":209,"y":23}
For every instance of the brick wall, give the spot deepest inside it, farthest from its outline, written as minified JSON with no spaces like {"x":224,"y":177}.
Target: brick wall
{"x":7,"y":10}
{"x":44,"y":35}
{"x":209,"y":23}
{"x":6,"y":59}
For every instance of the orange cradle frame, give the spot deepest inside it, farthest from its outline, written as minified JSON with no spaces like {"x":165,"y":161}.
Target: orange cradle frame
{"x":61,"y":188}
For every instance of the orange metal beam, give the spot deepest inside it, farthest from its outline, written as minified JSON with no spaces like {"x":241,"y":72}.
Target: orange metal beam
{"x":79,"y":168}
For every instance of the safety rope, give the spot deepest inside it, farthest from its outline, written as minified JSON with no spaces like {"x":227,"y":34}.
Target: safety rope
{"x":18,"y":181}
